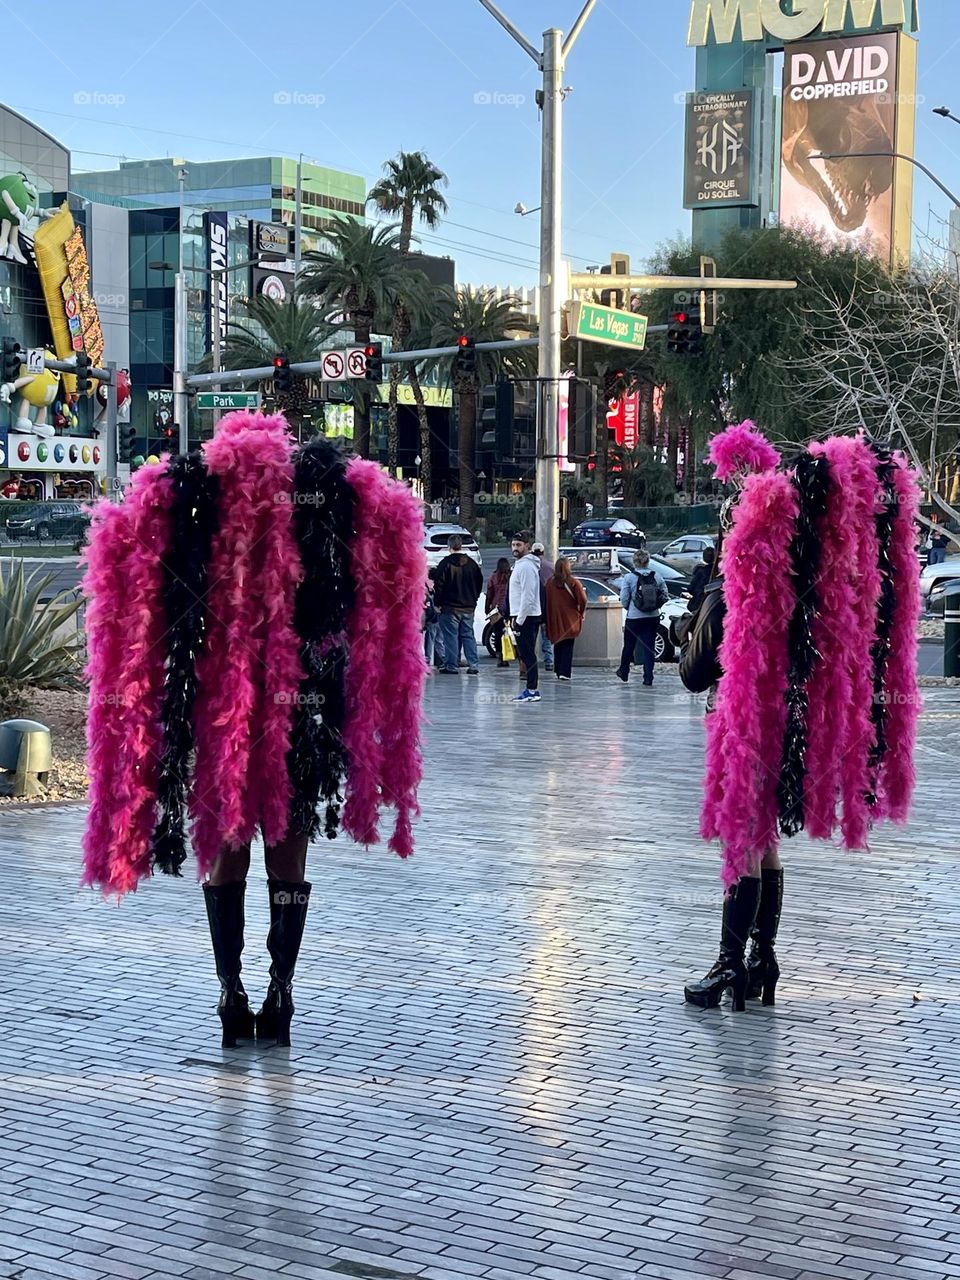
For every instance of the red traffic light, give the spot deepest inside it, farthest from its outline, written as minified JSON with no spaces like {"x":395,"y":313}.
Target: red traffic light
{"x":681,"y":317}
{"x":169,"y":432}
{"x":372,"y":349}
{"x":279,"y":362}
{"x":464,"y":341}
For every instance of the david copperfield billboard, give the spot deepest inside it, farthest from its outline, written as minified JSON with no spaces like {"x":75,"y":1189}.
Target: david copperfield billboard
{"x":844,"y":98}
{"x":719,"y":150}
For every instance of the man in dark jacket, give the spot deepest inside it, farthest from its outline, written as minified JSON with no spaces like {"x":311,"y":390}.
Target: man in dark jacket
{"x":456,"y":590}
{"x":700,"y":577}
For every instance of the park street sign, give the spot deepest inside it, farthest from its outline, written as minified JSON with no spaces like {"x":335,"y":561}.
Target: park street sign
{"x":228,"y":399}
{"x":591,"y":323}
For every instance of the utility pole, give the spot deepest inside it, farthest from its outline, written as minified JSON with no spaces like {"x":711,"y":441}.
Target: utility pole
{"x":298,"y":225}
{"x":181,"y":407}
{"x":111,"y":444}
{"x":552,"y":61}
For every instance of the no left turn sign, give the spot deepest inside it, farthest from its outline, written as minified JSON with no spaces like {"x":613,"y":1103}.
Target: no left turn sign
{"x":332,"y":365}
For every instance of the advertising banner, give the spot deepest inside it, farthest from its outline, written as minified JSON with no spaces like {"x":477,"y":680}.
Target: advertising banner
{"x":65,"y":279}
{"x":215,"y":229}
{"x":719,"y":165}
{"x":843,"y":98}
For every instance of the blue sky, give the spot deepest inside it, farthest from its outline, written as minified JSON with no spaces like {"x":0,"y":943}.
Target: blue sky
{"x":369,"y":77}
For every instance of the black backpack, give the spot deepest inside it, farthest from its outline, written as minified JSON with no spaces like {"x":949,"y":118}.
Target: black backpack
{"x":648,"y":595}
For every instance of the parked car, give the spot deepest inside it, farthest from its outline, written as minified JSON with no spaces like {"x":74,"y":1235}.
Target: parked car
{"x":437,"y":536}
{"x":46,"y":521}
{"x":612,"y":532}
{"x":933,"y":580}
{"x":687,"y":552}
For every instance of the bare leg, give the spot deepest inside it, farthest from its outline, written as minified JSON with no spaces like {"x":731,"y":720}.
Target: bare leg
{"x":288,"y":859}
{"x":231,"y":866}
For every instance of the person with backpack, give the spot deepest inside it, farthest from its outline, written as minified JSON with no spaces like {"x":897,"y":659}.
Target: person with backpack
{"x":643,"y":594}
{"x":457,"y":587}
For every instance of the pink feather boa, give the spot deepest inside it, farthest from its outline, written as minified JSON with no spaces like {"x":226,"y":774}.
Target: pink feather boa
{"x":126,"y":625}
{"x":249,"y":670}
{"x":840,"y":731}
{"x":739,"y":449}
{"x":901,"y":688}
{"x":745,"y":731}
{"x":385,"y":667}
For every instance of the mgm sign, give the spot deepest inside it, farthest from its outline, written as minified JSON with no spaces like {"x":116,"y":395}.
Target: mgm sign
{"x":763,"y":19}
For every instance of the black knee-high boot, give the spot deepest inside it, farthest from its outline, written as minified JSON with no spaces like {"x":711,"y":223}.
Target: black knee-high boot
{"x":739,"y":913}
{"x":225,"y":916}
{"x":762,"y":968}
{"x":288,"y":915}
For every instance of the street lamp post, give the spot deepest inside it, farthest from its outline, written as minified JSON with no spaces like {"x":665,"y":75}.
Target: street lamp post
{"x":946,"y":113}
{"x":551,"y":60}
{"x":180,"y":360}
{"x":181,"y":406}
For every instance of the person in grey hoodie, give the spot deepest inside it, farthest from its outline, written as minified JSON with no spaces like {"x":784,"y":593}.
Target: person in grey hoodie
{"x":525,"y":611}
{"x":642,"y":594}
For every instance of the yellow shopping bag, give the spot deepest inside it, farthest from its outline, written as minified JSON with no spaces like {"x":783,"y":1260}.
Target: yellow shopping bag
{"x":508,"y":648}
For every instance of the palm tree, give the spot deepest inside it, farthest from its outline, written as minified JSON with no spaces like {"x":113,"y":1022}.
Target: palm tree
{"x":358,"y":278}
{"x":294,"y":327}
{"x":484,"y":317}
{"x":410,"y":187}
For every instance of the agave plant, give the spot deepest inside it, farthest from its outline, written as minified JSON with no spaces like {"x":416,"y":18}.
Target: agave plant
{"x":34,"y":651}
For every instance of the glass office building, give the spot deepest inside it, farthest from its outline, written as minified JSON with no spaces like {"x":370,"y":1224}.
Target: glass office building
{"x":264,"y":188}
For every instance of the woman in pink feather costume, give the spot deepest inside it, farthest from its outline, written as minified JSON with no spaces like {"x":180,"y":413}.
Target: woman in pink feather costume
{"x":814,"y":718}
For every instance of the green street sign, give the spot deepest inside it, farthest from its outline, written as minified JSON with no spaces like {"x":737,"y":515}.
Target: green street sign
{"x":228,"y":399}
{"x":591,"y":323}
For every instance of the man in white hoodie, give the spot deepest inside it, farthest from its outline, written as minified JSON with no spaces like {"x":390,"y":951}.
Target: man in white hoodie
{"x":524,"y":607}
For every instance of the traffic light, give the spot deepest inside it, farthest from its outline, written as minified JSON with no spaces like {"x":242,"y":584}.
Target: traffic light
{"x":170,"y":436}
{"x":373,"y":362}
{"x":125,"y":446}
{"x":581,"y":419}
{"x":282,"y":377}
{"x":685,"y":333}
{"x":12,"y":359}
{"x":84,"y":381}
{"x":465,"y":361}
{"x":496,"y":418}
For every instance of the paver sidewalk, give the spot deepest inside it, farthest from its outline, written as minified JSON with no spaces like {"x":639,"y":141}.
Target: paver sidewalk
{"x":493,"y":1073}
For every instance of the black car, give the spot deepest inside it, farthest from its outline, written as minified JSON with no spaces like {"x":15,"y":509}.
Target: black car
{"x":611,"y":532}
{"x":46,"y":521}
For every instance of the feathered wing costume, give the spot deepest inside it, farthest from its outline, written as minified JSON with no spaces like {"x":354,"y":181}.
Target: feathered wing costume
{"x":816,"y":712}
{"x":255,"y":657}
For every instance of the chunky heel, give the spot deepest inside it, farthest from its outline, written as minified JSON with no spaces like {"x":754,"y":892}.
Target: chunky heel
{"x":729,"y":972}
{"x":738,"y":989}
{"x":769,"y":995}
{"x":288,"y":914}
{"x":273,"y":1020}
{"x":237,"y":1023}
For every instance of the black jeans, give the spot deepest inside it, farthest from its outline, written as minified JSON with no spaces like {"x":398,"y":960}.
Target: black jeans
{"x":642,"y":631}
{"x":563,"y":657}
{"x":527,"y":648}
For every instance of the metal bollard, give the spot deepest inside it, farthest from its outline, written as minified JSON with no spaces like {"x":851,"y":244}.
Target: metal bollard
{"x":951,"y":630}
{"x":24,"y":756}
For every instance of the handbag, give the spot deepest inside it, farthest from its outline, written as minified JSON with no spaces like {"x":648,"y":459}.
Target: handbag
{"x":508,"y":646}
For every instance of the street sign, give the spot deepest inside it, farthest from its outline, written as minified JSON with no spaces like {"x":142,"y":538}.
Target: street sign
{"x":332,"y":365}
{"x":591,"y":323}
{"x":228,"y":399}
{"x":356,"y":362}
{"x":35,"y":360}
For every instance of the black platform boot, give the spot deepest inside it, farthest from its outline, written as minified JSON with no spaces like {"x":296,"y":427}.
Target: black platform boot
{"x":288,"y":914}
{"x":762,"y":968}
{"x":739,"y":913}
{"x":225,"y":916}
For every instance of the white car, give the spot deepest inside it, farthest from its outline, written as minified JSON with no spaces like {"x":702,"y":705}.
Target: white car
{"x":934,"y":577}
{"x":436,"y":538}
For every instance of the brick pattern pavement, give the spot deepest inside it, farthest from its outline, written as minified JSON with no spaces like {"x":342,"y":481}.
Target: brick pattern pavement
{"x":493,"y":1072}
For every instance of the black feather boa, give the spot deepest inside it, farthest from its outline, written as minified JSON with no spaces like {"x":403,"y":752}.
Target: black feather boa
{"x":193,"y":519}
{"x":880,"y":651}
{"x":323,"y":525}
{"x":811,"y":478}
